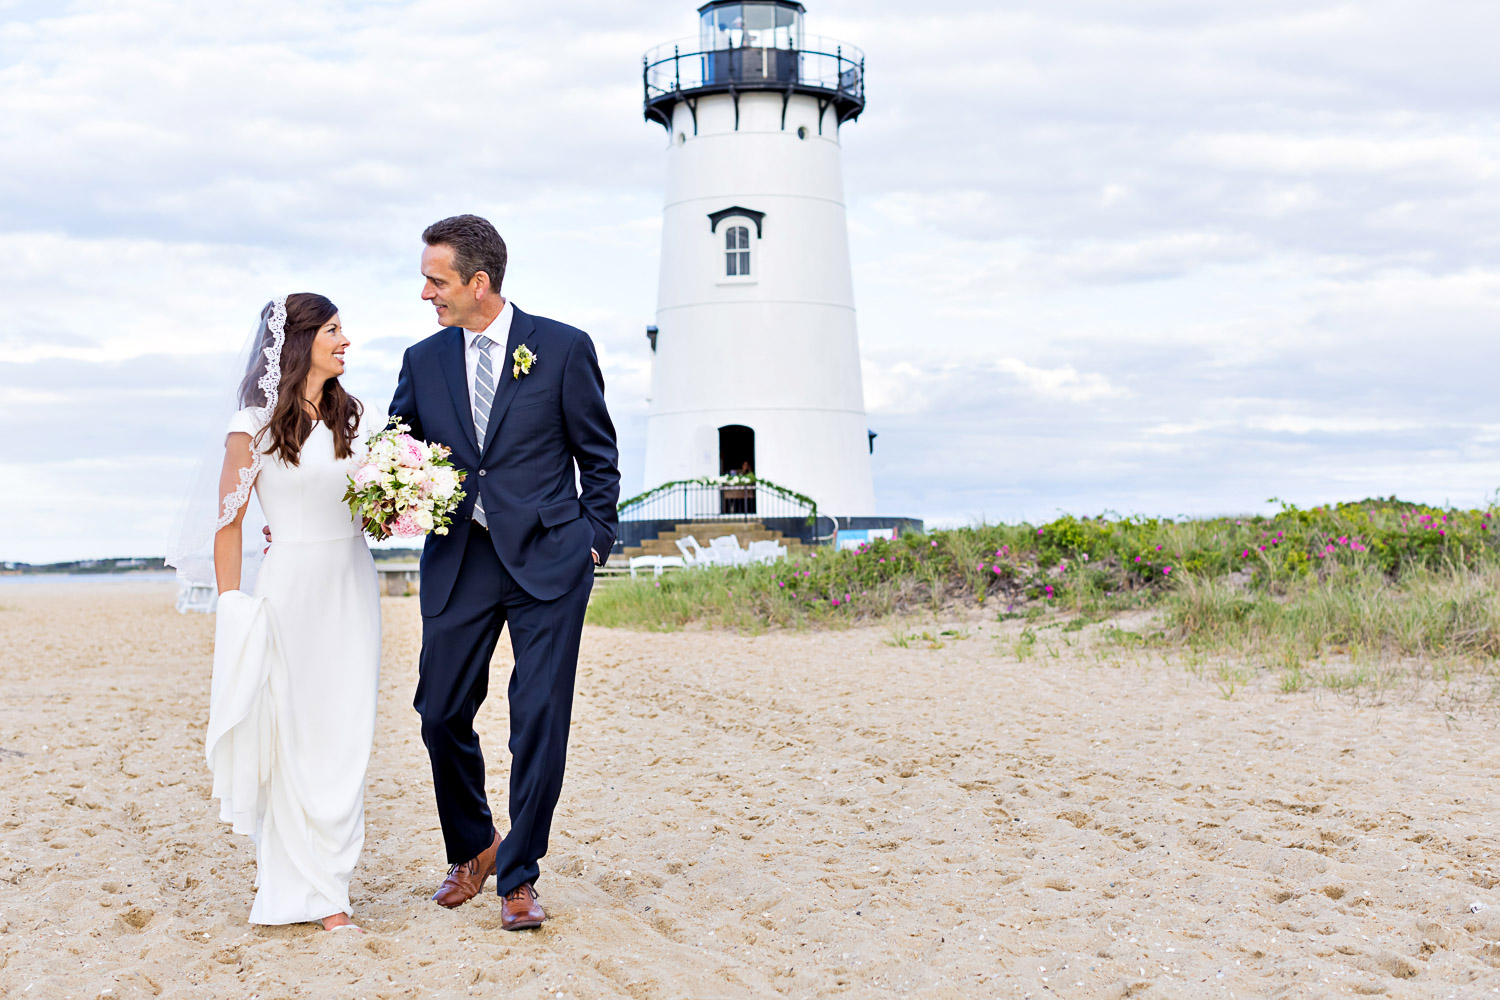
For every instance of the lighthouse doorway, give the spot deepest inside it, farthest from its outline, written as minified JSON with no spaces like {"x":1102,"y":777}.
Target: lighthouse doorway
{"x":736,"y":450}
{"x":737,"y":458}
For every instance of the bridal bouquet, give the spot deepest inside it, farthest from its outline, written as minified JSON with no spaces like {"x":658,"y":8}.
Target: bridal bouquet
{"x":402,"y":486}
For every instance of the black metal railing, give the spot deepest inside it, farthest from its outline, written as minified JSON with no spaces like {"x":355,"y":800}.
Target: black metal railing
{"x":734,"y":500}
{"x":823,"y":66}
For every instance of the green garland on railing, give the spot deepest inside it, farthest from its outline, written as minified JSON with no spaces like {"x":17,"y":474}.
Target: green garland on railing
{"x":735,"y":480}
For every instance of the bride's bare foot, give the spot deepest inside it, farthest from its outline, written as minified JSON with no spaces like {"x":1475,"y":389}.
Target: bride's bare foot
{"x":339,"y":921}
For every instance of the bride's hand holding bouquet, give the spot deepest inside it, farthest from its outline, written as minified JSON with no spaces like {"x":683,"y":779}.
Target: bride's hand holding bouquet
{"x":404,"y":487}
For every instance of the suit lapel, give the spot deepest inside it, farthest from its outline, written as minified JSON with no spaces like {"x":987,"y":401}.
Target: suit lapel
{"x":451,"y":359}
{"x":521,"y":330}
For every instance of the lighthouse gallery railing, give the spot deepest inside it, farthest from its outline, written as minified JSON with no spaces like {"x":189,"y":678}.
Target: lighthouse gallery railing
{"x":821,"y":64}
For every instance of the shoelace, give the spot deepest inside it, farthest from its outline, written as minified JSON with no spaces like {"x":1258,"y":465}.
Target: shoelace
{"x":518,"y":890}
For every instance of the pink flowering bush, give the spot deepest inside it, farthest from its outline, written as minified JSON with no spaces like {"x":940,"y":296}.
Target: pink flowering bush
{"x":1082,"y":565}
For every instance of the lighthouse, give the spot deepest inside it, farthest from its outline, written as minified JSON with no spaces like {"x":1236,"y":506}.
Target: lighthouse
{"x":756,"y":363}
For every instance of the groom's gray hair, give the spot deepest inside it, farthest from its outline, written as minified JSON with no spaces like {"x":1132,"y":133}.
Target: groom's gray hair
{"x":476,"y":244}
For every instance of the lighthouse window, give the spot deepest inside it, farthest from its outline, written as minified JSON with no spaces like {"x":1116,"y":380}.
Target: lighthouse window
{"x":751,"y":25}
{"x":737,"y":251}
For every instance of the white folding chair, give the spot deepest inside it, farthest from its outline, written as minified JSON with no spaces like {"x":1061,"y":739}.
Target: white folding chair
{"x":766,"y":552}
{"x":692,"y":552}
{"x":195,"y":598}
{"x":727,"y":551}
{"x":657,"y":563}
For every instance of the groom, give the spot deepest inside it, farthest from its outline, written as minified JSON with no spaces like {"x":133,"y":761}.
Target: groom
{"x":520,"y":400}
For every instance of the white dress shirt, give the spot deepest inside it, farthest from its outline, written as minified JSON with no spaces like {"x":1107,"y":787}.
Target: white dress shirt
{"x":499,"y":332}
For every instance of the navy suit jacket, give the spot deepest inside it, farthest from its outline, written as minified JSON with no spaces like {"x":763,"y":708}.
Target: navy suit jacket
{"x":540,"y":424}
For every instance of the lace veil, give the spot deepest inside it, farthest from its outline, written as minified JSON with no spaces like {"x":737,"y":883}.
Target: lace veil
{"x":255,"y":386}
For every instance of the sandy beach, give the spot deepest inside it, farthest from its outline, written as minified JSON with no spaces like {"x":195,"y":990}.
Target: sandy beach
{"x":785,"y":815}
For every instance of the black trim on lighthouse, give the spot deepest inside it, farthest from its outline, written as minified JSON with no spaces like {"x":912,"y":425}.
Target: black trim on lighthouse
{"x":735,"y":3}
{"x":746,"y":54}
{"x":714,"y":218}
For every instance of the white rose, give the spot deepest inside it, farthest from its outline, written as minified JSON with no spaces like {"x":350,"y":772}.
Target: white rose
{"x":410,"y":477}
{"x":423,"y":517}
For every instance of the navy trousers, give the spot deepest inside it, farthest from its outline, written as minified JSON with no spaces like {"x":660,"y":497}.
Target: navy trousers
{"x":457,"y":645}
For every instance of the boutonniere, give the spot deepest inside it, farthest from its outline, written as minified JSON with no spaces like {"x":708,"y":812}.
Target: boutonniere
{"x":523,"y":359}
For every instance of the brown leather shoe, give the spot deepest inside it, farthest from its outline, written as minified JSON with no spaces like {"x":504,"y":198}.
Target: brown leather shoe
{"x":465,"y":881}
{"x":521,"y":911}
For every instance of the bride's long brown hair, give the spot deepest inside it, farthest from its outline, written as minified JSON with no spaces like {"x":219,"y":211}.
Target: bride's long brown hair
{"x":290,"y":423}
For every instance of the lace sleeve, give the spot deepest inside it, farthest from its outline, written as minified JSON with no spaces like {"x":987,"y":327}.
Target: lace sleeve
{"x":247,"y":421}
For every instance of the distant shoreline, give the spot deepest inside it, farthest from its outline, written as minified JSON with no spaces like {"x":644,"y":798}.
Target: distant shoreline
{"x":142,"y":566}
{"x":8,"y":579}
{"x":86,"y":567}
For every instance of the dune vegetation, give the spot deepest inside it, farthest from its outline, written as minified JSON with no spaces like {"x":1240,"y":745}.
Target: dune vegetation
{"x":1372,"y":580}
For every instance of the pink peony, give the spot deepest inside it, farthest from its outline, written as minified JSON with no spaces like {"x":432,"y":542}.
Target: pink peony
{"x":406,"y":526}
{"x":366,"y":475}
{"x":410,"y":452}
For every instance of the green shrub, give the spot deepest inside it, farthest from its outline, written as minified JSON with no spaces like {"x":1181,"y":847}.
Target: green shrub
{"x":1222,"y":576}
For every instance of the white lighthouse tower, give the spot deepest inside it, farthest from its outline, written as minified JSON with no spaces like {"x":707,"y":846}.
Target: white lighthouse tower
{"x":756,"y":361}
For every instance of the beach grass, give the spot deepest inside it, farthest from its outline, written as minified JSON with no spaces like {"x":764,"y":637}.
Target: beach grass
{"x":1446,"y":618}
{"x":1365,"y":583}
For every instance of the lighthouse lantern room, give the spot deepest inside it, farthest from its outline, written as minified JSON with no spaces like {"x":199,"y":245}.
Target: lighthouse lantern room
{"x":756,"y":352}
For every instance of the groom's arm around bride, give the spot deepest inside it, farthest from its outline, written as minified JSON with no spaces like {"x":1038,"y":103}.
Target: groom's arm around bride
{"x":519,"y":399}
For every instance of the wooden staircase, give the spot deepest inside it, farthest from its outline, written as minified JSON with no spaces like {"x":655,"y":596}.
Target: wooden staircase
{"x":665,"y":544}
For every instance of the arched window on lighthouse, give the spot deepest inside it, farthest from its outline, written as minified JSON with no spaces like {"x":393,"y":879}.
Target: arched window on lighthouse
{"x":737,"y":251}
{"x":735,"y":223}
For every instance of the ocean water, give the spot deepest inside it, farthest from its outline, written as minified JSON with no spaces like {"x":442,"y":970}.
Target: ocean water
{"x":102,"y":579}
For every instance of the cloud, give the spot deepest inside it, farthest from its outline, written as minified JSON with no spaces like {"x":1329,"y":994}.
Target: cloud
{"x":1159,"y":256}
{"x":897,"y":383}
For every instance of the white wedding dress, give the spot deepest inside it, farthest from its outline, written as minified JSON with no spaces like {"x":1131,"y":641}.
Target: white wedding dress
{"x":296,"y":671}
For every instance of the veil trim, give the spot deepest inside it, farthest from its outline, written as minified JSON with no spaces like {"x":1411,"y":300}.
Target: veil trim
{"x":270,"y":387}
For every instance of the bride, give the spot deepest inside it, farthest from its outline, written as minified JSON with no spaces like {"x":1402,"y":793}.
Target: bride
{"x":296,"y":654}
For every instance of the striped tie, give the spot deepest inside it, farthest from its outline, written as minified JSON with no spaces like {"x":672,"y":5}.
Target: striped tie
{"x":484,"y":399}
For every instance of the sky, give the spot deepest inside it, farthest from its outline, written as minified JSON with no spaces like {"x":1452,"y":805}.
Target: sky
{"x":1164,"y":257}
